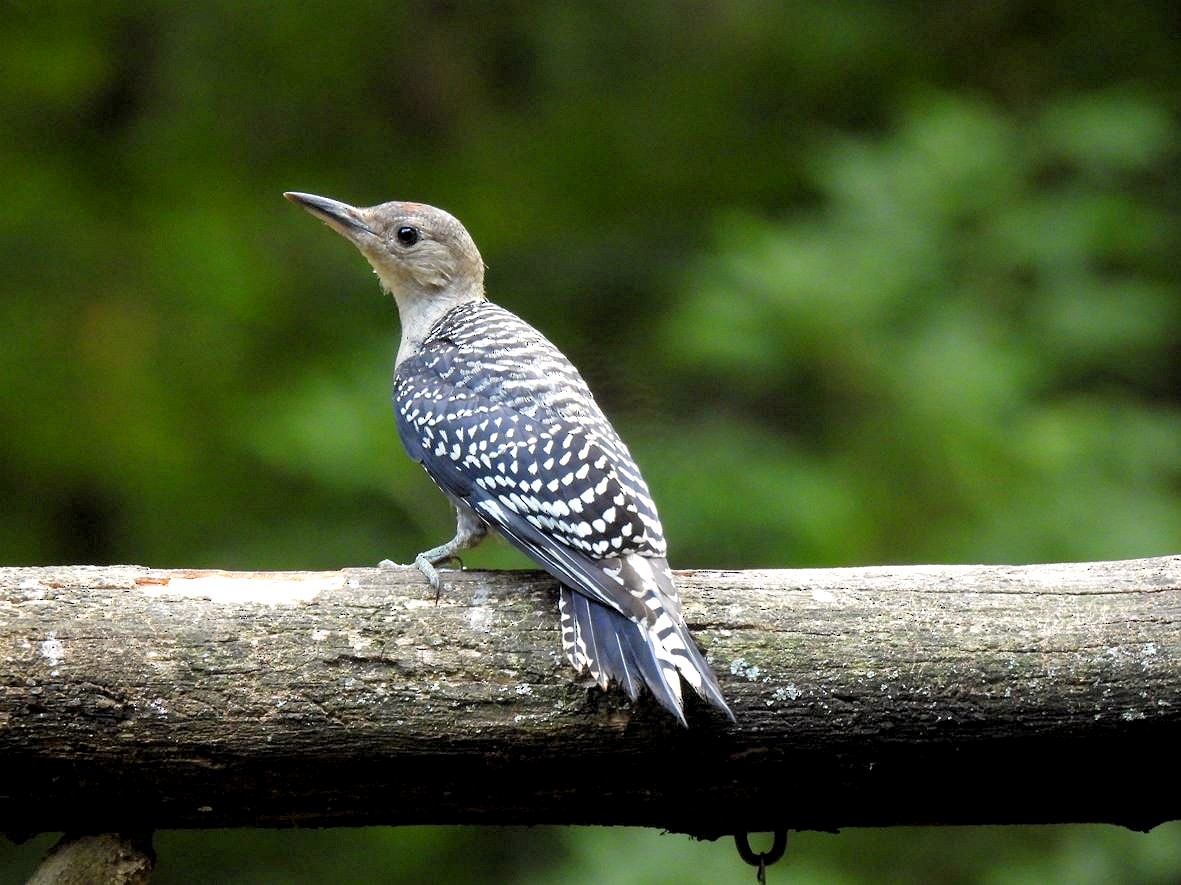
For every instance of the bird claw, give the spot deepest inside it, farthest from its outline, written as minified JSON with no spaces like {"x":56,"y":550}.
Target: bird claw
{"x":427,"y":567}
{"x":389,"y":563}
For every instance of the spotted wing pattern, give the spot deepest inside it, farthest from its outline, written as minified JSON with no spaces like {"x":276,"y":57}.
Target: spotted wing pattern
{"x":505,"y":424}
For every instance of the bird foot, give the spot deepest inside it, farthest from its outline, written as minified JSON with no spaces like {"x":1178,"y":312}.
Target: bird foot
{"x":427,"y":567}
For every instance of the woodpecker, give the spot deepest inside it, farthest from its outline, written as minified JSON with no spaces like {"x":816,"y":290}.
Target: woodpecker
{"x":509,"y":431}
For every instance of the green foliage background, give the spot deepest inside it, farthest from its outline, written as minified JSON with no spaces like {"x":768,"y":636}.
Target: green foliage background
{"x":859,"y":282}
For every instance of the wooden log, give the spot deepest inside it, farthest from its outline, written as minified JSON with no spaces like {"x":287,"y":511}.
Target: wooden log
{"x":135,"y":698}
{"x":101,"y":859}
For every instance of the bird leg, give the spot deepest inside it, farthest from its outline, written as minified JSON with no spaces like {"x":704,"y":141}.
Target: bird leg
{"x":470,"y":530}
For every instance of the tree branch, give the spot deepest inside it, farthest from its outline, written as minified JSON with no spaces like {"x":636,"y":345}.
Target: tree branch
{"x":102,"y":859}
{"x":135,"y":698}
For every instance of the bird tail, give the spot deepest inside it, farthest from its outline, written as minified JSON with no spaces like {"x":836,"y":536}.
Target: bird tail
{"x":656,"y":652}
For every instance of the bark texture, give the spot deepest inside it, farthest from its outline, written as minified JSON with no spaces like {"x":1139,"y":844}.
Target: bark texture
{"x":133,"y":699}
{"x":103,"y":859}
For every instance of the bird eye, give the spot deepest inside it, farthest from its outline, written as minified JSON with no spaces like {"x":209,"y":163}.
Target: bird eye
{"x":407,"y":236}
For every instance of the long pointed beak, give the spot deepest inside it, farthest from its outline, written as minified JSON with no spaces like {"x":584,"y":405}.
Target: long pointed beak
{"x":346,"y":220}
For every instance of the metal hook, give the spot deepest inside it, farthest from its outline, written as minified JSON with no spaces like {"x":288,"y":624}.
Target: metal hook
{"x":762,"y":859}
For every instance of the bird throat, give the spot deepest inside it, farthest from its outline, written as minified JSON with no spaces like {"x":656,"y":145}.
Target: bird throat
{"x":419,"y":310}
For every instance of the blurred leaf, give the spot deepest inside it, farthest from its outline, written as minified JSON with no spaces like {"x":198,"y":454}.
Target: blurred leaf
{"x":1111,"y":132}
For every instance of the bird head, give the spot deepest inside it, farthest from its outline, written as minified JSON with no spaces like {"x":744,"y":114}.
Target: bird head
{"x":417,"y":251}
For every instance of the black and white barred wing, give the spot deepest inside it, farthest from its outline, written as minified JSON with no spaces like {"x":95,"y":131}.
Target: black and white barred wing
{"x":564,"y":496}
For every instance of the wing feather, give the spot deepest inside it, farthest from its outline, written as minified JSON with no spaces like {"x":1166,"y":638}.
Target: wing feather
{"x":541,"y":464}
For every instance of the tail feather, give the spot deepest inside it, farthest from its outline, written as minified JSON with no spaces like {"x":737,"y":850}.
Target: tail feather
{"x":621,"y":616}
{"x":651,"y":580}
{"x":709,"y":688}
{"x":655,"y":653}
{"x":614,"y":648}
{"x":619,"y":660}
{"x":576,"y":633}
